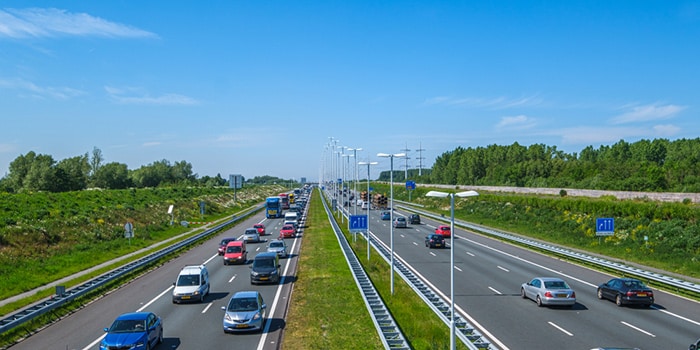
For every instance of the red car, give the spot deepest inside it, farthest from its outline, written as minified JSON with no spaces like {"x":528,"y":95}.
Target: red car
{"x":443,"y":230}
{"x":260,"y":228}
{"x":288,"y":231}
{"x":223,"y":243}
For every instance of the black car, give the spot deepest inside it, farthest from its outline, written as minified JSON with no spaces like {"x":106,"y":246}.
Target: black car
{"x":435,"y":240}
{"x":624,"y":291}
{"x":414,"y":219}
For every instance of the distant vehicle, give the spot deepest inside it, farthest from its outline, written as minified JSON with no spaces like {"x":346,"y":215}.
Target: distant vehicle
{"x":548,"y":291}
{"x":245,"y":312}
{"x":265,"y":268}
{"x":251,"y":235}
{"x":192,"y":284}
{"x":235,"y":253}
{"x":435,"y":240}
{"x":414,"y":219}
{"x":386,"y":215}
{"x":273,"y":208}
{"x":400,"y":222}
{"x":223,"y":243}
{"x":291,"y":198}
{"x":260,"y":228}
{"x":284,"y":200}
{"x":366,"y":205}
{"x":278,"y":246}
{"x":288,"y":231}
{"x":443,"y":230}
{"x":626,"y":291}
{"x":133,"y":330}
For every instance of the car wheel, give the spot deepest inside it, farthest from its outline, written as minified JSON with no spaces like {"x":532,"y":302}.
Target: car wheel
{"x":539,"y":301}
{"x":618,"y":300}
{"x":600,"y":293}
{"x":522,"y":293}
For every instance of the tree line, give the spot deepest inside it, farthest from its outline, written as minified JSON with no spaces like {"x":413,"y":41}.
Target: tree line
{"x":657,"y":165}
{"x":40,"y":172}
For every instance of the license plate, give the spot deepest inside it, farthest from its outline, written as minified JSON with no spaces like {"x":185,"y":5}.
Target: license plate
{"x":641,"y":294}
{"x":185,"y":297}
{"x":241,"y":325}
{"x":263,"y":278}
{"x":438,"y":245}
{"x":562,"y":295}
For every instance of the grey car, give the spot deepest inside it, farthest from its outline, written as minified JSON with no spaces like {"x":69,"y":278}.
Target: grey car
{"x":251,"y":235}
{"x":244,"y":312}
{"x":400,"y":222}
{"x":548,"y":291}
{"x":278,"y":246}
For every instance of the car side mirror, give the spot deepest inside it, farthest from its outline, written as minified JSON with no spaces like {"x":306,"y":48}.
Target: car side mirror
{"x":223,"y":308}
{"x":107,"y":330}
{"x":692,"y":347}
{"x":173,"y":283}
{"x":264,"y":306}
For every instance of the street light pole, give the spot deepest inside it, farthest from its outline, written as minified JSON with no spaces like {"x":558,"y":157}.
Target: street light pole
{"x":391,"y":211}
{"x":368,"y":163}
{"x":452,"y":253}
{"x":354,"y":181}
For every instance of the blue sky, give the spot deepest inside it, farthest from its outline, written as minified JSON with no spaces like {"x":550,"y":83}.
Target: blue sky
{"x":258,"y":87}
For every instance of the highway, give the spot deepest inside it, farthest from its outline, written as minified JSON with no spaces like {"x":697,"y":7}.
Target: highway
{"x":186,"y":326}
{"x":488,"y":276}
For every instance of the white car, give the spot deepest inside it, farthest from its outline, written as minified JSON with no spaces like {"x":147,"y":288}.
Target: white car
{"x":278,"y":246}
{"x":548,"y":291}
{"x":251,"y":235}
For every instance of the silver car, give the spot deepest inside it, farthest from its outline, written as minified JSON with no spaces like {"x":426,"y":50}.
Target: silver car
{"x":400,"y":222}
{"x":548,"y":291}
{"x":245,"y":312}
{"x":251,"y":235}
{"x":278,"y":246}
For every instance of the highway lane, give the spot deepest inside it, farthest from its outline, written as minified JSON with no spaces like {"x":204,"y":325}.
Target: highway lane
{"x":488,"y":275}
{"x":186,"y":326}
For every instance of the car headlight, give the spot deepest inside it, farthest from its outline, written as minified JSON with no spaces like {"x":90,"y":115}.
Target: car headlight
{"x":274,"y":272}
{"x":228,"y":317}
{"x":257,"y":316}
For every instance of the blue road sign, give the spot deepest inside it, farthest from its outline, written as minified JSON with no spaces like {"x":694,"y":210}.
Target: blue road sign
{"x":357,"y":223}
{"x":604,"y":226}
{"x":410,"y":185}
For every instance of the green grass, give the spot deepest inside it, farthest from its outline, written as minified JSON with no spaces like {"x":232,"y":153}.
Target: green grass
{"x":327,"y":311}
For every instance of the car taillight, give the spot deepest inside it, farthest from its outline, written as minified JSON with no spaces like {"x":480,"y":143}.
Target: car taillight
{"x":548,"y":294}
{"x":573,"y":294}
{"x":630,"y":293}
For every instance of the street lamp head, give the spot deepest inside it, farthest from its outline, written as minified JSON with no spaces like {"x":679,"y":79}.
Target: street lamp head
{"x":437,"y":194}
{"x":387,"y":155}
{"x":367,"y":163}
{"x":467,"y":194}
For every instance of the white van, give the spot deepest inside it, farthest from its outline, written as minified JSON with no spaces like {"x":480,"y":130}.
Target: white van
{"x":192,"y":284}
{"x":291,"y":216}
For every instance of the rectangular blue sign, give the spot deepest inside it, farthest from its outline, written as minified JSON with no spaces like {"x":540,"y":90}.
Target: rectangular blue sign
{"x":357,"y":223}
{"x":604,"y":226}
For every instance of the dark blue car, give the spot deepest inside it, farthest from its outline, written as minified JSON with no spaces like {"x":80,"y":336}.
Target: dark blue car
{"x":386,"y":215}
{"x":134,"y":330}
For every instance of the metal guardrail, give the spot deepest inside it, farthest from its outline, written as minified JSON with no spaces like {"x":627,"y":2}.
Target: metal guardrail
{"x":468,"y":334}
{"x":677,"y":283}
{"x":388,"y":330}
{"x":29,"y":313}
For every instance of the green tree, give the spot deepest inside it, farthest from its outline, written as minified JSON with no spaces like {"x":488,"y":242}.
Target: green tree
{"x":112,"y":176}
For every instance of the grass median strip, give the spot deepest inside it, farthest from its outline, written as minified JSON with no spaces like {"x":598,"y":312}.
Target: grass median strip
{"x":326,"y":310}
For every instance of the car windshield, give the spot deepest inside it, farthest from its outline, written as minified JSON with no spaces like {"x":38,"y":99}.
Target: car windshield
{"x":243,"y":304}
{"x":188,"y":280}
{"x":233,"y":249}
{"x":251,"y":232}
{"x":263,"y":263}
{"x":288,"y":227}
{"x":555,"y":285}
{"x":276,"y":245}
{"x":225,"y":242}
{"x":634,"y":284}
{"x":128,"y":326}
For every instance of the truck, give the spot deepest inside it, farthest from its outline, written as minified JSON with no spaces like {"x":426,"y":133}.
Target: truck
{"x":284,"y":200}
{"x":273,"y":207}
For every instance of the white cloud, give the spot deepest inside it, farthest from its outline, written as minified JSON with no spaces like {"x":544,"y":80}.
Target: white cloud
{"x":137,"y":96}
{"x":479,"y":102}
{"x":648,"y":113}
{"x":51,"y":22}
{"x":515,"y":122}
{"x":33,"y":90}
{"x":151,"y":144}
{"x":666,"y":130}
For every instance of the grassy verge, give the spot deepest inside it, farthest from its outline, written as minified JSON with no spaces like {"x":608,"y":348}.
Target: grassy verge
{"x":326,"y":310}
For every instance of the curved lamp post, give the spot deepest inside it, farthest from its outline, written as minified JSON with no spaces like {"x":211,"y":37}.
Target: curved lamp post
{"x":452,"y":252}
{"x":391,"y":212}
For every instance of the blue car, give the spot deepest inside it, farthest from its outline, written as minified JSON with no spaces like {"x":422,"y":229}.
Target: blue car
{"x":245,"y":312}
{"x":134,"y":330}
{"x":386,"y":215}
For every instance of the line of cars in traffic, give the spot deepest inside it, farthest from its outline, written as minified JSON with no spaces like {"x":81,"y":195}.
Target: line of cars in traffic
{"x":245,"y":311}
{"x":554,"y":291}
